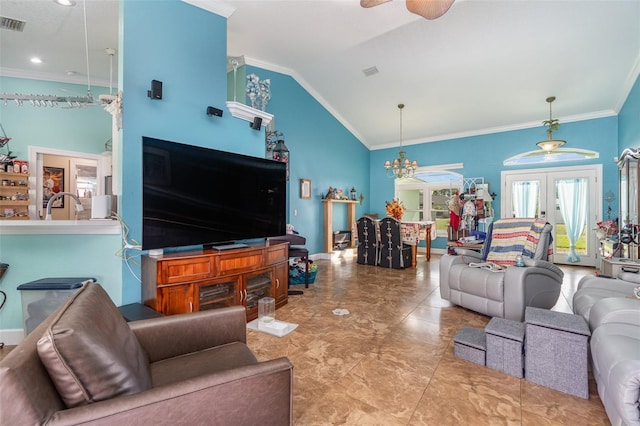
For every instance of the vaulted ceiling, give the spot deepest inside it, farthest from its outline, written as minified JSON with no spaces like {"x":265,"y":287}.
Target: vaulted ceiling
{"x":485,"y":66}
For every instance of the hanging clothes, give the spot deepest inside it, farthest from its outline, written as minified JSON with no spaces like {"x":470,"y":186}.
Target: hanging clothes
{"x":469,"y":213}
{"x":454,"y":211}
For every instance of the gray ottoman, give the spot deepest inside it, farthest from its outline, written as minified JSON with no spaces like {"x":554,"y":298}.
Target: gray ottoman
{"x":470,"y":344}
{"x":556,"y":351}
{"x":505,"y":339}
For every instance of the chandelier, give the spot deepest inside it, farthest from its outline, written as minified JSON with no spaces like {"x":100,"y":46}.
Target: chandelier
{"x":400,"y":167}
{"x":552,"y":125}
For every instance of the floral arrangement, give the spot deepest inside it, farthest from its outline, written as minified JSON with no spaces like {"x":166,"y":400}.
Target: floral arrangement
{"x":395,"y":208}
{"x":259,"y":91}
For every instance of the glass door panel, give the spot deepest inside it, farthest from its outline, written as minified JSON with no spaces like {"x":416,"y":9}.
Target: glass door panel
{"x":412,"y":199}
{"x":567,"y":199}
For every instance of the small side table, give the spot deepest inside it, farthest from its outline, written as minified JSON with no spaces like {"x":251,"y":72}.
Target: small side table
{"x":137,"y":311}
{"x":556,"y":351}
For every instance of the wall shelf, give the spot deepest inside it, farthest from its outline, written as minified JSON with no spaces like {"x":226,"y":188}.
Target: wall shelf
{"x":328,"y":221}
{"x":248,"y":113}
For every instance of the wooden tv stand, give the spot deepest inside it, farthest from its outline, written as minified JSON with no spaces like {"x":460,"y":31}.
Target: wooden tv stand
{"x":192,"y":281}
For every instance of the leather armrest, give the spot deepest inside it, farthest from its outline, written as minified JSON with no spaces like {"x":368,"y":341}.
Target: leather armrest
{"x":632,"y":277}
{"x":537,"y":284}
{"x":470,"y":254}
{"x":544,"y":264}
{"x":259,"y":393}
{"x":615,"y":309}
{"x":173,"y":335}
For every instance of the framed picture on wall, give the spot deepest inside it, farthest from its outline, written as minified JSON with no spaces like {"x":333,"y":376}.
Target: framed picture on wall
{"x":52,"y":183}
{"x":305,"y":188}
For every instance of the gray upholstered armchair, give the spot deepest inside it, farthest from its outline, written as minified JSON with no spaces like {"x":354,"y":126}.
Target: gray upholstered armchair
{"x":86,"y":365}
{"x":506,"y":292}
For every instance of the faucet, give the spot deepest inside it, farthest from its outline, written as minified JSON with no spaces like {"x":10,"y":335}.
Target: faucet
{"x":79,"y":207}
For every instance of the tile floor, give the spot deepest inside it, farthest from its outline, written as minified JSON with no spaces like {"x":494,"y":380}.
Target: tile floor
{"x":390,"y":360}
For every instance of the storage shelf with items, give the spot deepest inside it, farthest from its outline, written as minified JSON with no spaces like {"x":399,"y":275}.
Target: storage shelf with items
{"x":476,"y":190}
{"x":14,"y":196}
{"x":473,"y":210}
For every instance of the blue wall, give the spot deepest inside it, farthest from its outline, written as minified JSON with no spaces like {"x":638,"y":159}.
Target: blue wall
{"x":629,"y":120}
{"x":75,"y":129}
{"x":483,"y":156}
{"x":321,"y":150}
{"x":32,"y":257}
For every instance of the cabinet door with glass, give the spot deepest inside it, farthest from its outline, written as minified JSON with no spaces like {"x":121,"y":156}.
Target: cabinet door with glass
{"x":257,"y":285}
{"x":219,"y":293}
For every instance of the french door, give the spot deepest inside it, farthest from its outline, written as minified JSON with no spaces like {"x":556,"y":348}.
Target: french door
{"x":569,"y":198}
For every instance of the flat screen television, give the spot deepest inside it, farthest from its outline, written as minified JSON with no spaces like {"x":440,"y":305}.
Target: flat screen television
{"x":201,"y":196}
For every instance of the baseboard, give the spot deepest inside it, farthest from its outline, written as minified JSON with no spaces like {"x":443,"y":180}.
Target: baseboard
{"x":12,"y":337}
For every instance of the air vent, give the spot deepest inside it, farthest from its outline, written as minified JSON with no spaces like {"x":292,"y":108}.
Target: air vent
{"x":370,"y":71}
{"x":11,"y":24}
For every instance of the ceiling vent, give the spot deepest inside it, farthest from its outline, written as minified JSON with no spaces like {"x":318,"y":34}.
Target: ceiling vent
{"x":11,"y":24}
{"x":370,"y":71}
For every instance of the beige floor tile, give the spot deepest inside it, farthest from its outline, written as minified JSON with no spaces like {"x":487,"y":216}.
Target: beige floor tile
{"x":390,"y":361}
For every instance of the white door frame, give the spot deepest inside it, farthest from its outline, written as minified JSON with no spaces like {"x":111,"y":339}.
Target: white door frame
{"x":544,"y":175}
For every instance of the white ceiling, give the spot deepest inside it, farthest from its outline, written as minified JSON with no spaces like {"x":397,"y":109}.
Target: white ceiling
{"x":485,"y":66}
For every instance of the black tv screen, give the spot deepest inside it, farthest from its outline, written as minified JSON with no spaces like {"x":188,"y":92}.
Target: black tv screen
{"x":200,"y":196}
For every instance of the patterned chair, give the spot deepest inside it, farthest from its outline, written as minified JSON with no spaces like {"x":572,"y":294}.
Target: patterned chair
{"x":393,"y":252}
{"x":367,"y":241}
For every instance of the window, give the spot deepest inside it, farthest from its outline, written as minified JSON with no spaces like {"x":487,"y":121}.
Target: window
{"x":426,"y":196}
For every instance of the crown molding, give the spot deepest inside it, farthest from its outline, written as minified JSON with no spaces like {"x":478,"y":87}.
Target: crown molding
{"x":313,"y":92}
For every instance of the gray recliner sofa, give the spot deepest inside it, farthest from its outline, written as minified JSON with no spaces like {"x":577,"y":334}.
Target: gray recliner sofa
{"x":504,"y":293}
{"x":85,"y":365}
{"x":613,"y":314}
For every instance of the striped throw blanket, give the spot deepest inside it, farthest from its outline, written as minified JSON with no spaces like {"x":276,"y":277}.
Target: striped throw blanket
{"x":512,"y":237}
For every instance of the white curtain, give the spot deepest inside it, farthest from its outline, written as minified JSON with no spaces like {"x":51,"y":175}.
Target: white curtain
{"x":525,"y":198}
{"x":572,"y":194}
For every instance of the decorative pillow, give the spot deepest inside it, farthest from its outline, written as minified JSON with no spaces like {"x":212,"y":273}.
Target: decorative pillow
{"x":90,"y":352}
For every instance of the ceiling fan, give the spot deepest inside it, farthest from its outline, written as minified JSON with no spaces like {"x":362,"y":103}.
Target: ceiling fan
{"x":428,"y":9}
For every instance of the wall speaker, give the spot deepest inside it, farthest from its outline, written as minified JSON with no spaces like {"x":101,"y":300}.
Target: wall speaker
{"x":156,"y":90}
{"x":214,"y":111}
{"x":256,"y":124}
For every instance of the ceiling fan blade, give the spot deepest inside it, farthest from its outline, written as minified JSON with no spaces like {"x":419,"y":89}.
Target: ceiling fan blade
{"x":371,"y":3}
{"x":428,"y":9}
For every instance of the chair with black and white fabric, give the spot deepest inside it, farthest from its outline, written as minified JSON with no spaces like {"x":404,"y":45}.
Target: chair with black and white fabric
{"x":393,"y":252}
{"x":367,"y":251}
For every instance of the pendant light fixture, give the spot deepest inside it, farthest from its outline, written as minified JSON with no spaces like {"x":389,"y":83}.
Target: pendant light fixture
{"x":552,"y":125}
{"x":400,"y":167}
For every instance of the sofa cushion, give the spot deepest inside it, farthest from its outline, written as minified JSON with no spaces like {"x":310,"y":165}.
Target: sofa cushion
{"x":90,"y":352}
{"x":197,"y":364}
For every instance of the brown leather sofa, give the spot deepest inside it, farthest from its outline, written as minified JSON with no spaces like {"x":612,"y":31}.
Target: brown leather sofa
{"x":86,"y":365}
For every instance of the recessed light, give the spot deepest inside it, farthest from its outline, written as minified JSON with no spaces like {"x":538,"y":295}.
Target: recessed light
{"x":36,"y":60}
{"x":65,"y":2}
{"x":71,"y":73}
